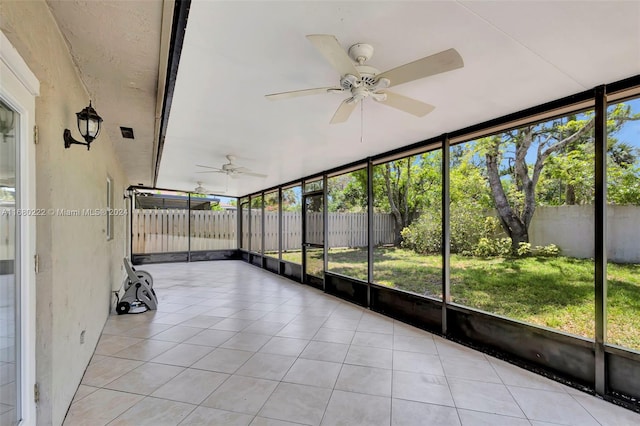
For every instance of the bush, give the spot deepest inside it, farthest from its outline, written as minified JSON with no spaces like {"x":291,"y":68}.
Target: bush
{"x":473,"y":233}
{"x":468,"y":225}
{"x":524,"y":249}
{"x":551,"y":250}
{"x":424,"y":235}
{"x":488,"y":247}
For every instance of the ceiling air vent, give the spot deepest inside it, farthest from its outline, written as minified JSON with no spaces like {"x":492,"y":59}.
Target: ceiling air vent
{"x":127,"y":132}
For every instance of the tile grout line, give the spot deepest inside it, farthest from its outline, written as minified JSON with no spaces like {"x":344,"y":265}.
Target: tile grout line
{"x":573,"y":397}
{"x":393,"y":354}
{"x":508,"y":390}
{"x":324,"y":413}
{"x":455,"y":404}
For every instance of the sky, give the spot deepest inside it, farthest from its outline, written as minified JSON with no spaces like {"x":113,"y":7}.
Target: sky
{"x":630,"y":132}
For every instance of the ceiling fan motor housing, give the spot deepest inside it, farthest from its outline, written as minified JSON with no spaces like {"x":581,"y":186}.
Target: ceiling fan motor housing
{"x":367,"y":78}
{"x":349,"y":81}
{"x":361,"y":52}
{"x":367,"y":74}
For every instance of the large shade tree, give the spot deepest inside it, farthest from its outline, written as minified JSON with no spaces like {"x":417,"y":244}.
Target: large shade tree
{"x":515,"y":161}
{"x":407,"y":187}
{"x":549,"y":163}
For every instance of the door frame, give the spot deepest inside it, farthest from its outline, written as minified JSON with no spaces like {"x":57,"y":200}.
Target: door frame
{"x":312,"y":280}
{"x":19,"y":88}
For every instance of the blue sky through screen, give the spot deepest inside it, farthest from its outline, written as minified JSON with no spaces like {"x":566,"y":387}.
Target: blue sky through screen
{"x":630,"y":132}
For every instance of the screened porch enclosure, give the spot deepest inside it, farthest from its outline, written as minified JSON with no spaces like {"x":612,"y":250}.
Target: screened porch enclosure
{"x":429,"y":235}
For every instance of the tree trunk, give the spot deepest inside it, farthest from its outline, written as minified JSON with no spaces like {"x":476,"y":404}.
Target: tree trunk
{"x":510,"y":221}
{"x":570,"y":195}
{"x":516,"y":239}
{"x":395,"y":211}
{"x":397,"y":237}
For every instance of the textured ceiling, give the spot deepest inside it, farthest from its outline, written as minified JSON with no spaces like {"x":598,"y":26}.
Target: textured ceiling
{"x":116,"y":46}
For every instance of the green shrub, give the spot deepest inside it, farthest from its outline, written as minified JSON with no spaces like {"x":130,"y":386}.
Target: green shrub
{"x":488,"y":247}
{"x":468,"y":224}
{"x":551,"y":250}
{"x":484,"y":248}
{"x":492,"y":227}
{"x":524,"y":249}
{"x":424,"y":235}
{"x":473,"y":233}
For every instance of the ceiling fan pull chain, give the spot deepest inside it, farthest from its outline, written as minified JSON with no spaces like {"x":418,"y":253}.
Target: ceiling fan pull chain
{"x":361,"y":120}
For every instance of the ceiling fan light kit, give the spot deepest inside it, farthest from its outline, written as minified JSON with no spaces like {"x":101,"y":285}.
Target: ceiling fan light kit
{"x":364,"y":81}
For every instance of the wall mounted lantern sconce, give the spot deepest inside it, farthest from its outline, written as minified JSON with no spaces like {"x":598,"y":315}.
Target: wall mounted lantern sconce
{"x":89,"y":123}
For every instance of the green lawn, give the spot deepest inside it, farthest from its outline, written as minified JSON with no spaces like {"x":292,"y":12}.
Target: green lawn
{"x":554,"y":292}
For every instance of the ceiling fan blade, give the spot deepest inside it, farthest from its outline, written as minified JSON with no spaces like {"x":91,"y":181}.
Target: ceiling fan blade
{"x":343,"y":112}
{"x":447,"y":60}
{"x":252,"y":174}
{"x":213,"y":171}
{"x":410,"y":105}
{"x":208,"y":167}
{"x":208,"y":192}
{"x":296,"y":93}
{"x":333,"y":52}
{"x":241,"y":169}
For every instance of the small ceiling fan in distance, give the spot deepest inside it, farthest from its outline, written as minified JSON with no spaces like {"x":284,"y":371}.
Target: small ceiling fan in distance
{"x":231,"y":169}
{"x":206,"y":191}
{"x":364,"y":81}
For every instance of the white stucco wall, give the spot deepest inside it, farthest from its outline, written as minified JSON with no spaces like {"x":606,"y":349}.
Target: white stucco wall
{"x":568,"y":227}
{"x":572,"y":229}
{"x":78,"y":266}
{"x":623,"y":234}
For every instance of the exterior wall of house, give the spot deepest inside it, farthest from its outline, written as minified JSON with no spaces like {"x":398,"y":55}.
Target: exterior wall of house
{"x":78,"y":266}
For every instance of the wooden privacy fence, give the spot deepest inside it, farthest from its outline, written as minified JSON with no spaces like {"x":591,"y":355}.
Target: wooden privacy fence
{"x":291,"y":231}
{"x":157,"y":231}
{"x":350,"y":229}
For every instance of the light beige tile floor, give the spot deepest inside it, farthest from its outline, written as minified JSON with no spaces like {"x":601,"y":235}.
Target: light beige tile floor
{"x":231,"y":344}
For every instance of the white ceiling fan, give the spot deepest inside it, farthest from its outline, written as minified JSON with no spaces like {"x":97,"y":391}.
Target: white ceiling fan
{"x":231,"y":169}
{"x":364,"y":81}
{"x":206,"y":191}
